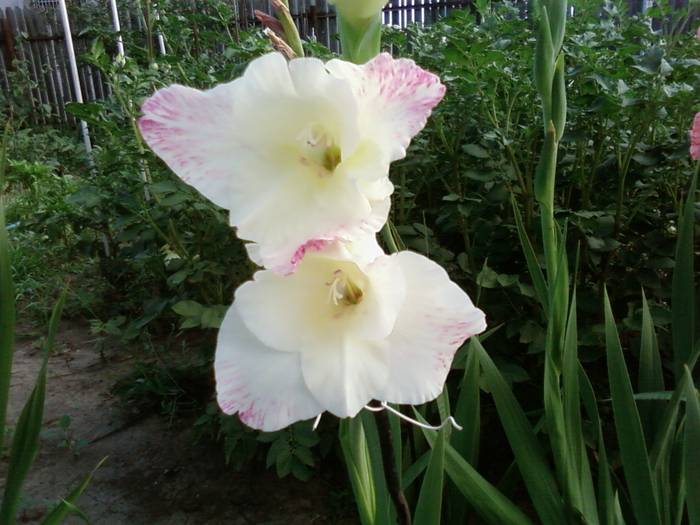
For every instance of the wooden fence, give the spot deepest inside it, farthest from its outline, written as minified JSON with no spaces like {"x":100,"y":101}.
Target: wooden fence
{"x":33,"y":39}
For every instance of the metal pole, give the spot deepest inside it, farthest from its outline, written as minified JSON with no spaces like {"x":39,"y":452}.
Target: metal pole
{"x":159,"y":33}
{"x":117,"y":27}
{"x":74,"y":73}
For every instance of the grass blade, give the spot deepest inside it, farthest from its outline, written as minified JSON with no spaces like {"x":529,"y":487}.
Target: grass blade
{"x":691,"y":450}
{"x":25,"y":442}
{"x":25,"y":445}
{"x":429,"y":507}
{"x":682,"y":288}
{"x":67,"y":506}
{"x":487,"y":501}
{"x":628,"y":425}
{"x":529,"y":456}
{"x":7,"y":302}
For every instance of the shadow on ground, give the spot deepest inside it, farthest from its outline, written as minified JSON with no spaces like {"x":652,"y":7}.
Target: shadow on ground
{"x":153,"y":474}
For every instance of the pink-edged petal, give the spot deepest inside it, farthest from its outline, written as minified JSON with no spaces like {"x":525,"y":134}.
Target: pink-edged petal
{"x":191,"y":130}
{"x":436,"y":319}
{"x":695,"y":138}
{"x":265,"y":387}
{"x":398,"y":96}
{"x":284,"y":257}
{"x":344,"y":377}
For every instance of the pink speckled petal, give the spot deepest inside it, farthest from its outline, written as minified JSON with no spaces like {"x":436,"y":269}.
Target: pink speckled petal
{"x":398,"y":97}
{"x":191,"y":130}
{"x":265,"y":387}
{"x":436,"y":319}
{"x":284,"y":257}
{"x":695,"y":138}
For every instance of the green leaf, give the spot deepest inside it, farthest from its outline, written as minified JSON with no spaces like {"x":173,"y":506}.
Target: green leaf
{"x":691,"y":450}
{"x":25,"y":442}
{"x":67,"y":506}
{"x":666,"y":427}
{"x":683,"y":288}
{"x":188,"y":308}
{"x":415,"y":470}
{"x":429,"y":507}
{"x":487,"y":501}
{"x":633,"y":451}
{"x":529,"y":456}
{"x":476,"y":151}
{"x":25,"y":445}
{"x":467,"y":410}
{"x":651,"y":377}
{"x":532,"y":264}
{"x":360,"y":445}
{"x":580,"y":478}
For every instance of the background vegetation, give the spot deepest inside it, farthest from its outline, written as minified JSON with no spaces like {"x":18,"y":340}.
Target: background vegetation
{"x":152,"y":265}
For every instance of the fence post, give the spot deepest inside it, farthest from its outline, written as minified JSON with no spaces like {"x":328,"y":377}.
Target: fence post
{"x":117,"y":27}
{"x":8,"y":40}
{"x":74,"y":74}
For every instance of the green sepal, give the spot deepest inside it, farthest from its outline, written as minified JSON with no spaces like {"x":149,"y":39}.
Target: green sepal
{"x":360,"y":40}
{"x":546,"y":168}
{"x":559,"y":97}
{"x":544,"y":65}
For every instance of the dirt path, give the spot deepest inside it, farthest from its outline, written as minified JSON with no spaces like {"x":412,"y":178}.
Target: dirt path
{"x":153,"y":475}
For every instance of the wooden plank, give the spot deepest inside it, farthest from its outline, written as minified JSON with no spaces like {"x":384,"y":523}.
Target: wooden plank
{"x":22,"y":57}
{"x":35,"y":62}
{"x":40,"y":42}
{"x":49,"y":29}
{"x":8,"y":40}
{"x":4,"y":81}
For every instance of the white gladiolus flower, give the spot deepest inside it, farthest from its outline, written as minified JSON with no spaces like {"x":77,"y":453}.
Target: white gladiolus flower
{"x":297,"y":151}
{"x":359,"y":9}
{"x":346,"y":327}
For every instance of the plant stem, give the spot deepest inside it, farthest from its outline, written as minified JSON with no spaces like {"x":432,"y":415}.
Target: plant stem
{"x":393,"y":480}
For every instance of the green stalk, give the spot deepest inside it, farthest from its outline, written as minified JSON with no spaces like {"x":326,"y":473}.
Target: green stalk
{"x":290,"y":29}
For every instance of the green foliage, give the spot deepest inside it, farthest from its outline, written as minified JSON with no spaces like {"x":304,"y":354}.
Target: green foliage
{"x":555,"y":386}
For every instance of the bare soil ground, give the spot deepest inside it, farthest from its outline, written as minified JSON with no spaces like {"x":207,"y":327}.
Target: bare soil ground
{"x":153,"y":474}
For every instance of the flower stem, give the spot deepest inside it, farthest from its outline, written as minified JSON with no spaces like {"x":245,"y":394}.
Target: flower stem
{"x":393,"y":479}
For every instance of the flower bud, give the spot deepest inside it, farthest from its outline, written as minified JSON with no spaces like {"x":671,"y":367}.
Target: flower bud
{"x":357,"y":10}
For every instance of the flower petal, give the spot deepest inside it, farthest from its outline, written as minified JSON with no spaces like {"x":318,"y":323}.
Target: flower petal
{"x":695,"y":138}
{"x":346,"y":375}
{"x":191,"y":131}
{"x":294,"y":312}
{"x":265,"y":387}
{"x":436,"y":319}
{"x":257,"y":147}
{"x":278,"y":310}
{"x":397,"y":97}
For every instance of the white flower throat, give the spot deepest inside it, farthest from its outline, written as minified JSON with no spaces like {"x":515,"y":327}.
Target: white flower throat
{"x":343,"y":290}
{"x":320,"y":150}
